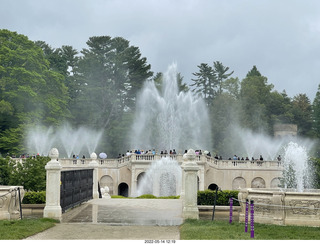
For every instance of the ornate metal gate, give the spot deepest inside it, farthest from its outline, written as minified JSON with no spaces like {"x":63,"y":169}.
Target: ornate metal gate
{"x":76,"y":187}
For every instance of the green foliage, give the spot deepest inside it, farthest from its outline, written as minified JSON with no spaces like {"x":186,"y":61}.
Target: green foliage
{"x":207,"y":197}
{"x":29,"y":91}
{"x":5,"y":171}
{"x":32,"y":197}
{"x":31,"y":174}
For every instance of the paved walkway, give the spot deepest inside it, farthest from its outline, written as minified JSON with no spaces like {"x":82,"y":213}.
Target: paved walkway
{"x":119,"y":219}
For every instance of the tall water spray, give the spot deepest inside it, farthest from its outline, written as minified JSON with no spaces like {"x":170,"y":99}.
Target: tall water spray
{"x":296,"y":173}
{"x":169,"y":119}
{"x":66,"y":139}
{"x":163,"y":178}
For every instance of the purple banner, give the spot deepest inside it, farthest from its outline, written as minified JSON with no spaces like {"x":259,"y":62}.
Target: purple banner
{"x":246,"y":216}
{"x":252,"y":218}
{"x":231,"y":204}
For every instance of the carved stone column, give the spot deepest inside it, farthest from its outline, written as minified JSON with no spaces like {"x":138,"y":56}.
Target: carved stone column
{"x":94,"y":164}
{"x":278,"y":212}
{"x":189,"y":186}
{"x":53,"y":209}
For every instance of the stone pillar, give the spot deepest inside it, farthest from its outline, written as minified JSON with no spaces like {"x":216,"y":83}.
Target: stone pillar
{"x":278,"y":212}
{"x":53,"y":209}
{"x":94,"y":164}
{"x":189,"y":186}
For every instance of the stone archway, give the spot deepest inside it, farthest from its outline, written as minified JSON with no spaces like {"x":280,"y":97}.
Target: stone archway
{"x":238,"y":182}
{"x":258,"y":182}
{"x":123,"y":189}
{"x":144,"y":184}
{"x":107,"y":180}
{"x":275,"y":183}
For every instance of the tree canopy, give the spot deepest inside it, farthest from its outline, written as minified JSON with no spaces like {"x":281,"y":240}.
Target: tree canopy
{"x":98,"y":85}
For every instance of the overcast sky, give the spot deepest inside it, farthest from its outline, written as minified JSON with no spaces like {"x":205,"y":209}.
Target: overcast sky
{"x":280,"y":37}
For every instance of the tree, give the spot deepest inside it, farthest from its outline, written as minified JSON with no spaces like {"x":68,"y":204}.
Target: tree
{"x":158,"y":80}
{"x":302,"y":112}
{"x":255,"y":98}
{"x":316,"y":114}
{"x":29,"y":91}
{"x":280,"y":108}
{"x":110,"y":74}
{"x":221,"y":74}
{"x":31,"y":174}
{"x":205,"y":84}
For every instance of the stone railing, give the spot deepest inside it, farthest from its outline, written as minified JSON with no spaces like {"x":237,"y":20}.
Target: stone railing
{"x":147,"y":158}
{"x":9,"y":201}
{"x":282,"y":207}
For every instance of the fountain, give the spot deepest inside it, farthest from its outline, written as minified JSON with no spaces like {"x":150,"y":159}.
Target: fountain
{"x":66,"y":139}
{"x":167,"y":120}
{"x":296,"y":172}
{"x":163,"y":178}
{"x":292,"y":205}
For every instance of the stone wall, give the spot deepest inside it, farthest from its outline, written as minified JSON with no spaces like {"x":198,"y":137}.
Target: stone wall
{"x":273,"y":206}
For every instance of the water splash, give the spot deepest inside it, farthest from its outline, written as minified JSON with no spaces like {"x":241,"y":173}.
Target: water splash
{"x":170,"y":119}
{"x":66,"y":139}
{"x":163,"y":178}
{"x":296,"y":173}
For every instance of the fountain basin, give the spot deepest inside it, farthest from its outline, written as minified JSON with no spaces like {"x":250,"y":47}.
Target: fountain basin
{"x":282,"y":207}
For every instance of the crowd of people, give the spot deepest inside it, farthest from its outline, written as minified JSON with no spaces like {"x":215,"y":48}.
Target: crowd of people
{"x":162,"y":152}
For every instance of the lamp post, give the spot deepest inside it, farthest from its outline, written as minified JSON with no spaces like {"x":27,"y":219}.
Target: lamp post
{"x":215,"y":200}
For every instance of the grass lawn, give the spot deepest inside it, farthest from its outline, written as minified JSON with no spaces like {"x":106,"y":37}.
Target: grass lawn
{"x":222,"y":230}
{"x":20,"y":229}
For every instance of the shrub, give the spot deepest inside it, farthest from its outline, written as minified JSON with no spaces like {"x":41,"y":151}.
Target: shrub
{"x":32,"y":197}
{"x":207,"y":197}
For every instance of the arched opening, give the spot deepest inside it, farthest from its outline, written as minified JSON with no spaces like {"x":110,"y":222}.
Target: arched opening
{"x":275,"y":183}
{"x":212,"y":187}
{"x":123,"y":189}
{"x":144,"y":184}
{"x":107,"y":180}
{"x":238,"y":183}
{"x":258,"y":182}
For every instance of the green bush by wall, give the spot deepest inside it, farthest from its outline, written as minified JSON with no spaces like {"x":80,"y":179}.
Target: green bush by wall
{"x":207,"y":197}
{"x":32,"y":197}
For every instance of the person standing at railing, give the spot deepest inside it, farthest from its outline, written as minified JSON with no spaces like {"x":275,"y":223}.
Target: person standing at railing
{"x":279,"y":160}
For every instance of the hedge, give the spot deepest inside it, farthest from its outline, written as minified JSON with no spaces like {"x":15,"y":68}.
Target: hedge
{"x":207,"y":197}
{"x":33,"y":197}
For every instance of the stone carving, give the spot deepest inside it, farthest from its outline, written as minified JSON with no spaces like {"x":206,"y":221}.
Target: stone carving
{"x":262,"y":205}
{"x":258,"y":183}
{"x":304,"y":207}
{"x":105,"y":192}
{"x":238,"y":183}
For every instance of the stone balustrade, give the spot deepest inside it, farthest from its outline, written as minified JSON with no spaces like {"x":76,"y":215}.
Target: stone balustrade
{"x":9,"y":201}
{"x":146,"y":158}
{"x":282,"y":207}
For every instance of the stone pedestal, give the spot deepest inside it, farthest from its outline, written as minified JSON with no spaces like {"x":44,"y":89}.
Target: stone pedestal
{"x":53,"y":209}
{"x":189,"y":186}
{"x":94,"y":164}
